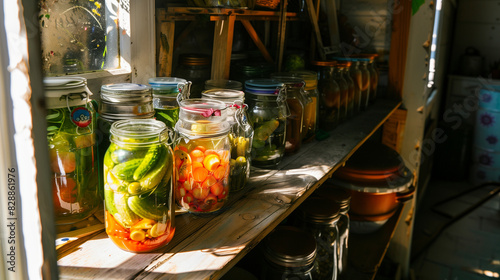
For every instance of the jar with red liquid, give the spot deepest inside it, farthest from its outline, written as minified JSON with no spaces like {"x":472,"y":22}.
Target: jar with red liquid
{"x":329,"y":93}
{"x":138,"y":194}
{"x":202,"y":155}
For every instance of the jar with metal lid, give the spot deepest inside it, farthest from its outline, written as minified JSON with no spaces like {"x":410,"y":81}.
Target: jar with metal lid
{"x":296,"y":101}
{"x":202,"y":155}
{"x":311,"y":108}
{"x":195,"y":68}
{"x":343,"y":199}
{"x":121,"y":101}
{"x":267,"y":112}
{"x":71,"y":135}
{"x":288,"y":253}
{"x":365,"y":82}
{"x":138,"y":169}
{"x":165,"y":91}
{"x":344,"y":90}
{"x":223,"y":84}
{"x":329,"y":92}
{"x":240,"y":136}
{"x":319,"y":216}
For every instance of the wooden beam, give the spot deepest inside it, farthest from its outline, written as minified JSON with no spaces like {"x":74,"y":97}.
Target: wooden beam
{"x":164,"y":46}
{"x":314,"y":21}
{"x":281,"y":34}
{"x":399,"y":44}
{"x":253,"y":34}
{"x":222,"y":48}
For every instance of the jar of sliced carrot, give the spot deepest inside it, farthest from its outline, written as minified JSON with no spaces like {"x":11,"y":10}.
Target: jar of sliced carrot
{"x":202,"y":155}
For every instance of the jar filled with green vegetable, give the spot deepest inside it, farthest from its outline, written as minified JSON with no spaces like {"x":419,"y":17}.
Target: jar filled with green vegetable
{"x":329,"y":92}
{"x":71,"y":125}
{"x":267,"y":112}
{"x":165,"y":91}
{"x":240,"y":136}
{"x":202,"y":155}
{"x":319,"y":216}
{"x":138,"y":170}
{"x":311,"y":107}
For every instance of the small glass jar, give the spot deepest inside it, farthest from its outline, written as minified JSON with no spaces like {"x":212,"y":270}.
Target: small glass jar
{"x":202,"y":155}
{"x":296,"y":101}
{"x":138,"y":170}
{"x":223,"y":84}
{"x":122,"y":101}
{"x":240,"y":136}
{"x":319,"y":216}
{"x":344,"y":90}
{"x":71,"y":135}
{"x":165,"y":91}
{"x":365,"y":82}
{"x":267,"y":112}
{"x":343,"y":198}
{"x":350,"y":87}
{"x":288,"y":253}
{"x":311,"y":108}
{"x":329,"y":92}
{"x":195,"y":68}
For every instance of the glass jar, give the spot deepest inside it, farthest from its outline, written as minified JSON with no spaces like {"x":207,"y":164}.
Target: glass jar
{"x":311,"y":108}
{"x":138,"y":169}
{"x":223,"y":84}
{"x":71,"y":125}
{"x":249,"y":70}
{"x":356,"y":77}
{"x":350,"y":87}
{"x":165,"y":91}
{"x":343,"y":198}
{"x":329,"y":92}
{"x":344,"y":90}
{"x":365,"y":82}
{"x":374,"y":76}
{"x":319,"y":216}
{"x":195,"y":68}
{"x":202,"y":155}
{"x":267,"y":113}
{"x":288,"y":253}
{"x":122,"y":101}
{"x":240,"y":136}
{"x":296,"y":101}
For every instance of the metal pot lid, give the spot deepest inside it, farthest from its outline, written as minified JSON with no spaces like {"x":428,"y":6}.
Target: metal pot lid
{"x":290,"y":247}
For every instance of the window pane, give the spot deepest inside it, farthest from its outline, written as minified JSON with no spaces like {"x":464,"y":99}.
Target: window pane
{"x":78,"y":35}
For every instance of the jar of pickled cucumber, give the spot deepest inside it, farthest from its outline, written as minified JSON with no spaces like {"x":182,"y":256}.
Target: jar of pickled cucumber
{"x":240,"y":135}
{"x":122,"y":101}
{"x":138,"y":194}
{"x":165,"y":91}
{"x":71,"y":126}
{"x":296,"y":101}
{"x":202,"y":155}
{"x":319,"y":216}
{"x":329,"y":92}
{"x":267,"y":112}
{"x":311,"y":108}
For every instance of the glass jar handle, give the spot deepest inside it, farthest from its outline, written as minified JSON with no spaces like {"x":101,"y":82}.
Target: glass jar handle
{"x":281,"y":100}
{"x":184,"y":91}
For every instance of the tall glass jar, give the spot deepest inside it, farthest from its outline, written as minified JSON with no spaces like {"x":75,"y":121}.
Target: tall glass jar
{"x":195,"y":68}
{"x":138,"y":169}
{"x":374,"y":76}
{"x":165,"y":91}
{"x":356,"y":77}
{"x":341,"y":197}
{"x":319,"y":216}
{"x":329,"y":92}
{"x":311,"y":108}
{"x":344,"y":90}
{"x":240,"y":136}
{"x":365,"y":82}
{"x":296,"y":101}
{"x":267,"y":112}
{"x":71,"y":125}
{"x":202,"y":155}
{"x":351,"y":88}
{"x":122,"y":101}
{"x":288,"y":253}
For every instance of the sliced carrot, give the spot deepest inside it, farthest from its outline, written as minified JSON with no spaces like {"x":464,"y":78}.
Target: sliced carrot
{"x":210,"y":181}
{"x":217,"y":189}
{"x":200,"y":174}
{"x":197,"y":164}
{"x":220,"y":172}
{"x":200,"y":193}
{"x":211,"y":162}
{"x":197,"y":155}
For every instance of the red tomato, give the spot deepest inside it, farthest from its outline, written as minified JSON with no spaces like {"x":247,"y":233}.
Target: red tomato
{"x":62,"y":162}
{"x":65,"y":188}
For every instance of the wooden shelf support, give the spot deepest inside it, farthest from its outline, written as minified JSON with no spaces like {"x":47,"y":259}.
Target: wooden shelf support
{"x":223,"y":42}
{"x":255,"y":38}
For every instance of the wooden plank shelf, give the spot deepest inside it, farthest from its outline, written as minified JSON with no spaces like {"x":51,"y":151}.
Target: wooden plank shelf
{"x":207,"y":246}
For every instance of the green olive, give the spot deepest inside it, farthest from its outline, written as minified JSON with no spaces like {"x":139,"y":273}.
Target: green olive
{"x":134,"y":188}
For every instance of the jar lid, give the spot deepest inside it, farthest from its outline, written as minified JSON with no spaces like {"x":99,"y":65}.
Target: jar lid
{"x":126,"y":92}
{"x":165,"y":81}
{"x":193,"y":59}
{"x":289,"y":246}
{"x":147,"y":131}
{"x":223,"y":84}
{"x":374,"y":168}
{"x":202,"y":117}
{"x":66,"y":91}
{"x":324,"y":63}
{"x":288,"y":79}
{"x":228,"y":96}
{"x":263,"y":83}
{"x":334,"y":193}
{"x":309,"y":77}
{"x":319,"y":210}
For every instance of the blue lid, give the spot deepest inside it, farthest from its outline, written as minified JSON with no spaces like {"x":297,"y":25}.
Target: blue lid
{"x":165,"y":81}
{"x":263,"y":83}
